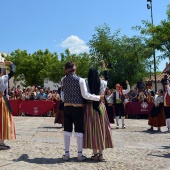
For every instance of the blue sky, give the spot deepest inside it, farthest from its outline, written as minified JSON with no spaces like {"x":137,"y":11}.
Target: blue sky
{"x":59,"y":24}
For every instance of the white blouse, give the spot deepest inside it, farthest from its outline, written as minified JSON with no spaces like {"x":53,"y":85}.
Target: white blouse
{"x":103,"y":85}
{"x":4,"y":83}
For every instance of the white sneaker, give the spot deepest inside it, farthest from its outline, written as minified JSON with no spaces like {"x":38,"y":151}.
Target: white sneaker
{"x":65,"y":158}
{"x":82,"y":158}
{"x":123,"y":126}
{"x":117,"y":126}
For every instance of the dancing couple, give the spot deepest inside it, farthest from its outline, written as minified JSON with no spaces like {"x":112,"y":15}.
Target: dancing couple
{"x":91,"y":124}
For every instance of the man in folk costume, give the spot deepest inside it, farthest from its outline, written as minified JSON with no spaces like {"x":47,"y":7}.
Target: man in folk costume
{"x":75,"y":90}
{"x":118,"y":98}
{"x":167,"y":106}
{"x":7,"y":128}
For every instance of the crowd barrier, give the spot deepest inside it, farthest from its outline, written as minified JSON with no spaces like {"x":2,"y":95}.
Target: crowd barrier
{"x":138,"y":108}
{"x":40,"y":107}
{"x":33,"y":107}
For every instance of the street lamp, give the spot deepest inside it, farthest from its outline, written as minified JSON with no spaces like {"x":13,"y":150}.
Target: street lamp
{"x":149,"y":6}
{"x":150,"y":72}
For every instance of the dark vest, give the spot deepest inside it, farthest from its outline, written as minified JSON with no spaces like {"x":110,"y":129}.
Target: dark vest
{"x":122,"y":97}
{"x":71,"y":88}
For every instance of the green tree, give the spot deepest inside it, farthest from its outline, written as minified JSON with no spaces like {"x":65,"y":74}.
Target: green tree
{"x":33,"y":68}
{"x":128,"y":57}
{"x":157,"y":35}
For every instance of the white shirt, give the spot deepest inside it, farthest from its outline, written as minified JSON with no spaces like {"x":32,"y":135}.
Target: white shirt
{"x":123,"y":92}
{"x":103,"y":85}
{"x":109,"y":99}
{"x":4,"y":83}
{"x":84,"y":92}
{"x":159,"y":99}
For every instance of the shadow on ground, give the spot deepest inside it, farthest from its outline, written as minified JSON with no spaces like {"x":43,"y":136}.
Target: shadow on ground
{"x":167,"y":155}
{"x":51,"y":127}
{"x":25,"y":158}
{"x":150,"y":132}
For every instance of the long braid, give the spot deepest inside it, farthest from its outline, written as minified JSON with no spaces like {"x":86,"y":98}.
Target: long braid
{"x":94,"y":86}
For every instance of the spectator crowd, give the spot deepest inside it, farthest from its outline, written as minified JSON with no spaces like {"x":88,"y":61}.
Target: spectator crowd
{"x":33,"y":93}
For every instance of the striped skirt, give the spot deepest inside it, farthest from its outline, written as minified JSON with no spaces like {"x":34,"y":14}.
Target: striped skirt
{"x":97,"y":130}
{"x":7,"y":127}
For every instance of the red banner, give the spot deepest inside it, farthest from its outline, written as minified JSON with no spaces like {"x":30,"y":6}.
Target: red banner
{"x":15,"y":107}
{"x":138,"y":108}
{"x":39,"y":107}
{"x":36,"y":107}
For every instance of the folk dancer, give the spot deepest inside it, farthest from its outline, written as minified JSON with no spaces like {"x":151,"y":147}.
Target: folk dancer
{"x":157,"y":117}
{"x":7,"y":127}
{"x":109,"y":105}
{"x":167,"y":106}
{"x":118,"y":99}
{"x":97,"y":130}
{"x":59,"y":116}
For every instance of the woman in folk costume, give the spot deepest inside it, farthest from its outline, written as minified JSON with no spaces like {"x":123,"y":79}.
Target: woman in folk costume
{"x":118,"y":99}
{"x":7,"y":128}
{"x":109,"y":105}
{"x":59,"y":116}
{"x":157,"y":117}
{"x":97,"y":130}
{"x":167,"y":106}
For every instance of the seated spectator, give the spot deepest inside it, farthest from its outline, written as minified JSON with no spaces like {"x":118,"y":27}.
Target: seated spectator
{"x":32,"y":97}
{"x":49,"y":94}
{"x":126,"y":99}
{"x":41,"y":95}
{"x":12,"y":95}
{"x":18,"y":92}
{"x":150,"y":97}
{"x":26,"y":96}
{"x":134,"y":95}
{"x":141,"y":97}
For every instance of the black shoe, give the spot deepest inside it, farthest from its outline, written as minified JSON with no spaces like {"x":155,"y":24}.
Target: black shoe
{"x":159,"y":130}
{"x":151,"y":129}
{"x":4,"y":147}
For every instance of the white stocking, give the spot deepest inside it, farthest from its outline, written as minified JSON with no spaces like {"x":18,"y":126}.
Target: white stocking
{"x":123,"y":120}
{"x":79,"y":143}
{"x":67,"y":136}
{"x":117,"y":120}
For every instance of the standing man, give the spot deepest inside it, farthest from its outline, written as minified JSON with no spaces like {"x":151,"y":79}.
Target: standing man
{"x":167,"y":106}
{"x":75,"y":90}
{"x":118,"y":98}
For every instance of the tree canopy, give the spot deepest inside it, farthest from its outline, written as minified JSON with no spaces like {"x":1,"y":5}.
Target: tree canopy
{"x":127,"y":58}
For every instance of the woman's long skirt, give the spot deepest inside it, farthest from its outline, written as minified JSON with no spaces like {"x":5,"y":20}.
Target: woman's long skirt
{"x":159,"y":120}
{"x":97,"y":130}
{"x":59,"y":116}
{"x":7,"y":127}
